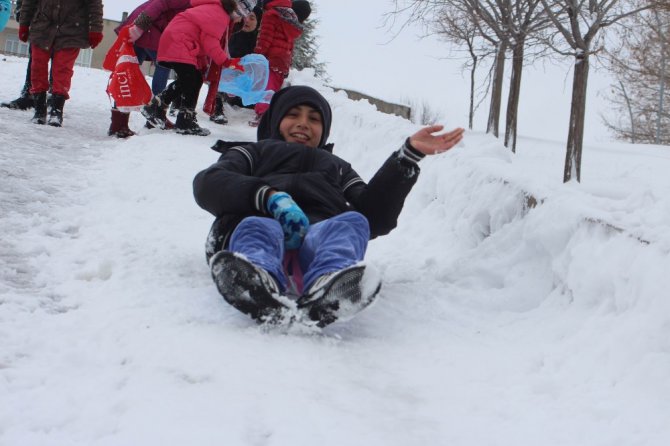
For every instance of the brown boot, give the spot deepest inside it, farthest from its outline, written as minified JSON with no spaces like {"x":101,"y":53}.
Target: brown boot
{"x":119,"y":125}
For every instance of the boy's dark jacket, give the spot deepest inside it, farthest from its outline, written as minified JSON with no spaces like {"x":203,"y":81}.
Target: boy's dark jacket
{"x":322,"y":184}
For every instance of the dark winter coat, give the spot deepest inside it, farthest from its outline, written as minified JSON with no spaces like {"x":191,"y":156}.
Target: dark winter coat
{"x":152,"y":17}
{"x":242,"y":43}
{"x":17,"y":9}
{"x":279,"y":30}
{"x":322,"y":184}
{"x":59,"y":24}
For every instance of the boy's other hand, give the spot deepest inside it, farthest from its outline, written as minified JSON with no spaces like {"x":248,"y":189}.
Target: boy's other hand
{"x":429,"y":144}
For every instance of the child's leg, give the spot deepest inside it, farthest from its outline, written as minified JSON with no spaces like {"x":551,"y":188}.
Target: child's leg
{"x":189,"y":82}
{"x":261,"y":241}
{"x":161,"y":74}
{"x":333,"y":244}
{"x":39,"y":70}
{"x":160,"y":80}
{"x":62,"y":69}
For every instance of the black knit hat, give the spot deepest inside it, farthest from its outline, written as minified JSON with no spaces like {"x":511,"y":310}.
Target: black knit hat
{"x":287,"y":98}
{"x":302,"y":9}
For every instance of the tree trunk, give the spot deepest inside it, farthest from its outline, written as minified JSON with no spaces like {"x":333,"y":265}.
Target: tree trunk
{"x":662,"y":87}
{"x":573,"y":155}
{"x":630,"y":112}
{"x":513,"y":98}
{"x":471,"y":116}
{"x":496,"y":91}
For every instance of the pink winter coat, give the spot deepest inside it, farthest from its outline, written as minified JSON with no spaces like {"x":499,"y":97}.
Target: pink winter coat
{"x":195,"y":34}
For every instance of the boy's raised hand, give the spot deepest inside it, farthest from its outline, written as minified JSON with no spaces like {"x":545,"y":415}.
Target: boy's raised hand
{"x":425,"y":142}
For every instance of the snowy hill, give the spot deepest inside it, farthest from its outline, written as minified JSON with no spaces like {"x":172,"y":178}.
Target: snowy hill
{"x":498,"y":323}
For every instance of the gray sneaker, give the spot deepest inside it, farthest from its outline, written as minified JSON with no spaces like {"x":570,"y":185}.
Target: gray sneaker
{"x":340,"y":295}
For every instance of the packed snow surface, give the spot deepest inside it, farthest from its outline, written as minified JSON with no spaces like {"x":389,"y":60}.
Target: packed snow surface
{"x":516,"y":310}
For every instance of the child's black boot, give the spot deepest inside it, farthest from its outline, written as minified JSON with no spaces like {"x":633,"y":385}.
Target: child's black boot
{"x":23,"y":102}
{"x":40,"y":103}
{"x":56,"y":104}
{"x":187,"y":124}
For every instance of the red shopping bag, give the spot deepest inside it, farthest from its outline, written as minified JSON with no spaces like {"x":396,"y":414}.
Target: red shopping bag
{"x":127,"y":86}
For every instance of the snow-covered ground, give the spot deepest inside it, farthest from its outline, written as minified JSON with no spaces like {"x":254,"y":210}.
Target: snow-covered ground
{"x":498,"y":323}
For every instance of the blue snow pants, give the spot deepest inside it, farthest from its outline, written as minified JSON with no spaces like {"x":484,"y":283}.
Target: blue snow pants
{"x":161,"y":74}
{"x":330,"y":245}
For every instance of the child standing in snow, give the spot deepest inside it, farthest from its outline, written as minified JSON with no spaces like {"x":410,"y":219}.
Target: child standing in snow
{"x":281,"y":26}
{"x":147,"y":23}
{"x":241,"y":43}
{"x":25,"y":99}
{"x":287,"y":203}
{"x":57,"y":30}
{"x":191,"y":38}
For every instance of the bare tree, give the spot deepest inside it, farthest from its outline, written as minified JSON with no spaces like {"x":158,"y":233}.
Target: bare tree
{"x":507,"y":25}
{"x":458,"y":27}
{"x":513,"y":22}
{"x":639,"y":64}
{"x":580,"y":23}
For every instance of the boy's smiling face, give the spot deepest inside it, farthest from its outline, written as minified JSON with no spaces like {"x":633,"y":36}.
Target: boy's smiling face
{"x":302,"y":124}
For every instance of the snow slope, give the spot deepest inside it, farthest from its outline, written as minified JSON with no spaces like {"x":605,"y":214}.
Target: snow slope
{"x":499,"y":323}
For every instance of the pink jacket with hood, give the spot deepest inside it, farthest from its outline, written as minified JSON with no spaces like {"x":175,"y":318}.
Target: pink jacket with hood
{"x":195,"y":35}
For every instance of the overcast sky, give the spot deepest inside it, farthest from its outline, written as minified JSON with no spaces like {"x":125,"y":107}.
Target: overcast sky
{"x":362,"y":54}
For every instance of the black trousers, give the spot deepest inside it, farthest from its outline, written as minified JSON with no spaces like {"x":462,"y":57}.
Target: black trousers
{"x":186,"y":88}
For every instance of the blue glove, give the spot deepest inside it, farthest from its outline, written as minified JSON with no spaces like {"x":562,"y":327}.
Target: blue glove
{"x":292,"y":219}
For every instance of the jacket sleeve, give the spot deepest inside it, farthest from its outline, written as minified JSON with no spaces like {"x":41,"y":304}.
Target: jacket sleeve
{"x":95,"y":15}
{"x":28,"y":8}
{"x":382,"y":199}
{"x":229,"y":187}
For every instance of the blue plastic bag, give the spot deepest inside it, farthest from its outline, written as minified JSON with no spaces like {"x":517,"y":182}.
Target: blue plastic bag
{"x":249,"y":85}
{"x":5,"y":12}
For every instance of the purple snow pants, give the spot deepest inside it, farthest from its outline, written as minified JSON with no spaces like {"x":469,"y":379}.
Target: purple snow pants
{"x":330,"y":245}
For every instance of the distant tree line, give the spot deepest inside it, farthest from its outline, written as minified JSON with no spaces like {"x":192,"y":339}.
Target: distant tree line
{"x":524,"y":30}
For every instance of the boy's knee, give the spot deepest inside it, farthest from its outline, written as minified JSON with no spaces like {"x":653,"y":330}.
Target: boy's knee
{"x":259,"y":223}
{"x":357,"y":220}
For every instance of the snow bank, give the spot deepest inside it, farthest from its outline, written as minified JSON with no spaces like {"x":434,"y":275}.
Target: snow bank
{"x":498,"y":323}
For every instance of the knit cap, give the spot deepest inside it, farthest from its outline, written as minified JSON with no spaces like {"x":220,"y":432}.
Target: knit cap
{"x":287,"y":98}
{"x":245,"y":7}
{"x":302,"y":9}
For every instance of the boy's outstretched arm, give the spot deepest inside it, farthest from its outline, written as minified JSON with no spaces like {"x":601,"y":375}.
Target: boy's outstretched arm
{"x":429,"y":144}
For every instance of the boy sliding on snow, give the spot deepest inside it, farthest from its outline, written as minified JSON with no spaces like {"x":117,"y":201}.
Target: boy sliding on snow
{"x":287,"y":204}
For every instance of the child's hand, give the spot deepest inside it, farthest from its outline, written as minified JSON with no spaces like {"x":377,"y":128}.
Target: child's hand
{"x":292,"y":219}
{"x":425,"y":142}
{"x":234,"y":64}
